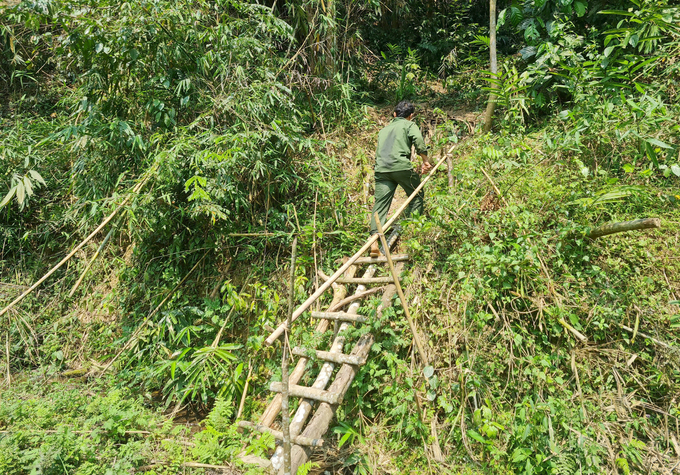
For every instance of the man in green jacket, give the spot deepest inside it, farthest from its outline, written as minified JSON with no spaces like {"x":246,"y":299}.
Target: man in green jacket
{"x":393,"y":166}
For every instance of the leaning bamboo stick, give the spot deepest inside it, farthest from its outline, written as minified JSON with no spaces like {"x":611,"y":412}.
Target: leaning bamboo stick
{"x":94,"y":257}
{"x":106,"y":221}
{"x":285,"y":411}
{"x":402,"y":297}
{"x":307,"y":303}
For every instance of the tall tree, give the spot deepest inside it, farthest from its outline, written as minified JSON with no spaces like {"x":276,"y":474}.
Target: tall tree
{"x":491,"y":105}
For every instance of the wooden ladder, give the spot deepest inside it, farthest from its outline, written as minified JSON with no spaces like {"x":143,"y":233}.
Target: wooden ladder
{"x":337,"y":372}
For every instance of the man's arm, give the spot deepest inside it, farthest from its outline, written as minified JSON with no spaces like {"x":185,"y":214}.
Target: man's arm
{"x":421,"y":149}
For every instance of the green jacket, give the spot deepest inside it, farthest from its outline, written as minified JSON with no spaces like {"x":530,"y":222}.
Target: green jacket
{"x":394,"y":146}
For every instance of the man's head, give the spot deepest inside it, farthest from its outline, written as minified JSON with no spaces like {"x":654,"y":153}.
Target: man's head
{"x":404,"y":109}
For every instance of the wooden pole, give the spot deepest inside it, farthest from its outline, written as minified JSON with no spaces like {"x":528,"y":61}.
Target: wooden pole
{"x":402,"y":297}
{"x":134,"y":191}
{"x":285,"y":411}
{"x":312,"y":298}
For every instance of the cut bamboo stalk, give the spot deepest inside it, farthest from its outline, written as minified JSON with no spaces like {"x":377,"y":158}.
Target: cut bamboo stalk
{"x":402,"y":297}
{"x":307,"y":393}
{"x":381,"y":259}
{"x":613,"y":228}
{"x":245,"y":391}
{"x":279,"y":435}
{"x":340,"y":316}
{"x":106,"y":221}
{"x":324,"y":414}
{"x":359,"y":280}
{"x":269,"y":415}
{"x":312,"y":298}
{"x":338,"y":358}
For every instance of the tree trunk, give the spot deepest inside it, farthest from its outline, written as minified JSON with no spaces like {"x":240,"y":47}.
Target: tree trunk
{"x":491,"y":105}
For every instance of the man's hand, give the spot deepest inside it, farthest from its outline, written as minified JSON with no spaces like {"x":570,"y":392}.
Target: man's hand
{"x":425,"y":168}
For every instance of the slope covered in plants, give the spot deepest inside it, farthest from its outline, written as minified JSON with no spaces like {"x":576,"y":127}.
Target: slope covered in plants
{"x":219,"y":130}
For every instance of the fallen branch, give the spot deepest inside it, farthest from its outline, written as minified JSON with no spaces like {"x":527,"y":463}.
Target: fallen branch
{"x":613,"y":228}
{"x":643,"y":335}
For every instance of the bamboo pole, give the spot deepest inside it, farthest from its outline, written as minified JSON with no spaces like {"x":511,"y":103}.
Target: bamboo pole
{"x":402,"y":297}
{"x":613,"y":228}
{"x":307,"y":303}
{"x":94,"y":257}
{"x":106,"y":221}
{"x":285,"y":411}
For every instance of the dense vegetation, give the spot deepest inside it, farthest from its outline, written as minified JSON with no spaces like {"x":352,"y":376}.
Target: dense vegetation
{"x":219,"y":130}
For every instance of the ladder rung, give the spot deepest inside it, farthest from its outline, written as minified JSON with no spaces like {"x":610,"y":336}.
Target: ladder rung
{"x":382,"y":259}
{"x":360,"y":280}
{"x":298,"y":440}
{"x":341,"y":316}
{"x":339,"y":358}
{"x":307,"y":393}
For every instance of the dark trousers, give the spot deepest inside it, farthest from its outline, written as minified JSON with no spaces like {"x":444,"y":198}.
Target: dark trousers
{"x":385,"y":186}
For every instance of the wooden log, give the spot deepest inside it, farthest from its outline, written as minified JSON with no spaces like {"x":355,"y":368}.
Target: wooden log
{"x":338,"y":358}
{"x":312,"y":298}
{"x":381,"y":259}
{"x":613,"y":228}
{"x":372,"y":280}
{"x":307,"y":393}
{"x":340,"y":316}
{"x":278,"y":435}
{"x":324,"y":414}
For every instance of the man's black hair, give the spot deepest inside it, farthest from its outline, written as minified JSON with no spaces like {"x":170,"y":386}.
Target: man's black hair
{"x":404,"y":109}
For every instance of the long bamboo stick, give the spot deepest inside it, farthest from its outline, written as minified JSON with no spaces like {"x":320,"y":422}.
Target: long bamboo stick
{"x":312,"y":298}
{"x":94,"y":257}
{"x":134,"y":191}
{"x":285,"y":411}
{"x":402,"y":297}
